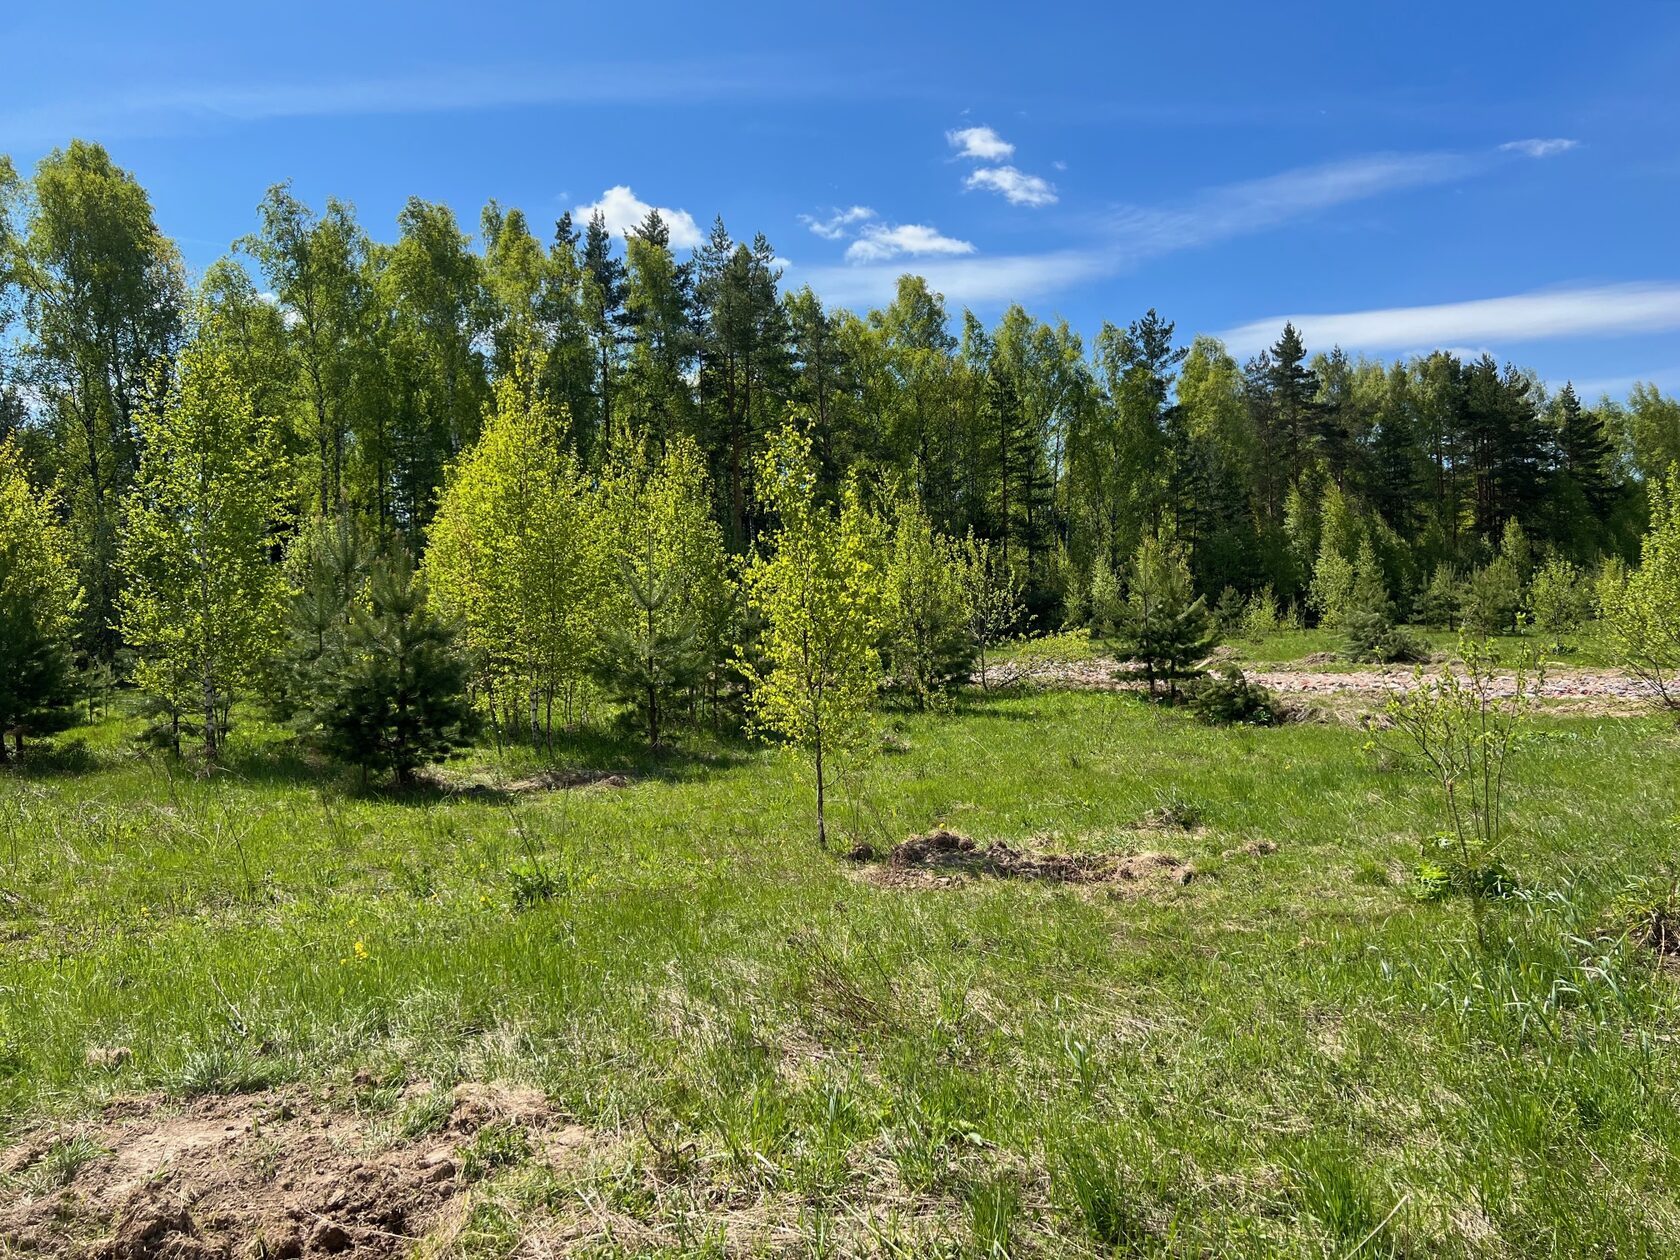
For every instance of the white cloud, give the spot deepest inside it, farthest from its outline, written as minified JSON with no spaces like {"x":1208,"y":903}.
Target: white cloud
{"x":1605,"y":310}
{"x":981,"y":143}
{"x":1017,"y":187}
{"x":1539,"y":148}
{"x":963,"y":281}
{"x":624,"y":212}
{"x":879,"y":242}
{"x":834,"y":227}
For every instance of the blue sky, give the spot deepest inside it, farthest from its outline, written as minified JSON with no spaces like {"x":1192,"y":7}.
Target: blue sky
{"x":1397,"y":177}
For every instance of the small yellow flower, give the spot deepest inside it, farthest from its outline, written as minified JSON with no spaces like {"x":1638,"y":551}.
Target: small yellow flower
{"x":360,"y":951}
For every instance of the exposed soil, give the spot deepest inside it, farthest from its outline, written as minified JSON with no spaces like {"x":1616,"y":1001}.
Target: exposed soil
{"x":541,"y":781}
{"x":1600,"y":689}
{"x":273,"y":1175}
{"x":943,"y":858}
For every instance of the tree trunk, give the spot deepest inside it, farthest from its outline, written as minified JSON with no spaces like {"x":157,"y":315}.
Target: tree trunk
{"x":822,"y":824}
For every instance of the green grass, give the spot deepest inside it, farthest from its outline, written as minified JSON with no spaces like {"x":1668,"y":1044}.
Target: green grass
{"x":1290,"y":1055}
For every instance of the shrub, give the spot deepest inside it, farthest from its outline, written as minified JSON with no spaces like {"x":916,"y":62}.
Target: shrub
{"x":1466,"y":730}
{"x":1231,"y":700}
{"x":1560,"y":597}
{"x":1261,"y":616}
{"x":1642,"y":613}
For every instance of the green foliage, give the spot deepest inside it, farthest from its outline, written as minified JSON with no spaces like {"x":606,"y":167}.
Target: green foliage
{"x":822,"y":603}
{"x":1438,"y":606}
{"x":1261,"y":615}
{"x":675,"y":614}
{"x":40,"y":598}
{"x":1229,"y":699}
{"x":394,"y":695}
{"x":1642,"y":614}
{"x":1368,"y":627}
{"x":1333,"y":583}
{"x":931,"y":646}
{"x":204,"y":605}
{"x":1160,"y":623}
{"x":1493,"y":598}
{"x":518,"y":555}
{"x":1560,"y":597}
{"x":991,"y":596}
{"x":326,"y":568}
{"x":1465,"y":727}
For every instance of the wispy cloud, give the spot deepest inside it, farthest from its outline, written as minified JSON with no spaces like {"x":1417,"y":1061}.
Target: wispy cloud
{"x":1256,"y":205}
{"x":980,"y":142}
{"x":1133,"y":235}
{"x":836,"y":226}
{"x":624,"y":212}
{"x":148,"y":109}
{"x":971,"y":280}
{"x":1604,"y":310}
{"x":1017,"y":187}
{"x":879,"y":242}
{"x":1539,"y":148}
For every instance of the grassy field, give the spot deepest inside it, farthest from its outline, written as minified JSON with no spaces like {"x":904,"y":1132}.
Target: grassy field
{"x":771,"y":1049}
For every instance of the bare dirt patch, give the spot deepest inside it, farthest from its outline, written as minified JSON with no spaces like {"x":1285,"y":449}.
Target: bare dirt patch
{"x":274,"y":1175}
{"x":1305,"y":684}
{"x":945,"y":858}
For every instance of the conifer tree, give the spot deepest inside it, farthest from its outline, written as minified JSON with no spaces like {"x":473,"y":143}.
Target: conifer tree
{"x":326,"y":568}
{"x":40,"y":598}
{"x":820,"y":599}
{"x":394,"y":693}
{"x":653,"y":655}
{"x":1368,"y":624}
{"x":1161,"y":623}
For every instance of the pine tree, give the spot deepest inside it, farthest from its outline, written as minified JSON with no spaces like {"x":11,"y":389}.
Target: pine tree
{"x":1161,"y":623}
{"x":654,"y":655}
{"x":326,"y":566}
{"x":394,"y":693}
{"x":1368,"y":625}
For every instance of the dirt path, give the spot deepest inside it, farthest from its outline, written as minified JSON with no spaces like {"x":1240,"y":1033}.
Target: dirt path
{"x":1604,"y":688}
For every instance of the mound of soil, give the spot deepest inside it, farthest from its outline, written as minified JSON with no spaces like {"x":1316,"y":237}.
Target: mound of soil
{"x":272,"y":1175}
{"x":943,"y":857}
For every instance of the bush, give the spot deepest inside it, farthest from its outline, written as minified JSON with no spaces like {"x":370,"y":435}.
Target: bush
{"x":1561,"y":598}
{"x":1231,"y":700}
{"x":1262,"y":615}
{"x":1466,"y":730}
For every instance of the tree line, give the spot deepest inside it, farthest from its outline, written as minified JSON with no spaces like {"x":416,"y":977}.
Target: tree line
{"x":581,"y":450}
